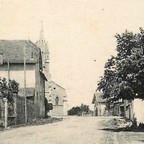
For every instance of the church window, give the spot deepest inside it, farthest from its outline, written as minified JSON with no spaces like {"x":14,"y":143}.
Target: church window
{"x":46,"y":56}
{"x":57,"y":101}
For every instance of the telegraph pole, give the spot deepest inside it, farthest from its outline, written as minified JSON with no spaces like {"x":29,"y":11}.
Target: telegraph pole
{"x":25,"y":84}
{"x":8,"y":71}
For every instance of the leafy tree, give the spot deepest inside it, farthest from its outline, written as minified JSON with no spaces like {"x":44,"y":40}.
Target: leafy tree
{"x":74,"y":111}
{"x":124,"y":74}
{"x":78,"y":110}
{"x":84,"y":108}
{"x":8,"y":88}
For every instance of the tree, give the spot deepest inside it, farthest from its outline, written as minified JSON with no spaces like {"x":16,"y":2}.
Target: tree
{"x":8,"y":88}
{"x":79,"y":110}
{"x":48,"y":106}
{"x":84,"y":108}
{"x":124,"y":74}
{"x":74,"y":111}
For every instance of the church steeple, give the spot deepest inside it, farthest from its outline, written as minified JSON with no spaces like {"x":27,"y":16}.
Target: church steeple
{"x":42,"y":44}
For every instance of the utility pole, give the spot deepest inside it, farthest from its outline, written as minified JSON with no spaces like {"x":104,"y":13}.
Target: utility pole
{"x":25,"y":84}
{"x":8,"y":71}
{"x":8,"y":67}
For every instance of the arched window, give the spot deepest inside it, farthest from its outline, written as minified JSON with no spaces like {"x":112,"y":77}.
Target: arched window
{"x":57,"y":100}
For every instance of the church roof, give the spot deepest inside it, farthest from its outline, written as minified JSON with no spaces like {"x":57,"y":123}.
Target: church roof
{"x":54,"y":83}
{"x":13,"y":51}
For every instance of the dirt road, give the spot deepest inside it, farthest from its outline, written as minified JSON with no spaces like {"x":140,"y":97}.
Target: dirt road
{"x":72,"y":130}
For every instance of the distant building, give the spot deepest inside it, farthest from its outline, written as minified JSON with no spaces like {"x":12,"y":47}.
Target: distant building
{"x":122,"y":108}
{"x":117,"y":108}
{"x":99,"y":104}
{"x":12,"y":55}
{"x":58,"y":99}
{"x":129,"y":109}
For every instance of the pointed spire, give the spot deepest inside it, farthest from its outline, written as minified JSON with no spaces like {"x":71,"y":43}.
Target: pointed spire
{"x":41,"y":32}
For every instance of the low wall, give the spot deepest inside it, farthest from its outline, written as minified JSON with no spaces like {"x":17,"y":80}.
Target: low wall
{"x":58,"y":110}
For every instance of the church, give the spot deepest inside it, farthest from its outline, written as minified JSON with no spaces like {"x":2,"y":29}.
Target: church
{"x":54,"y":93}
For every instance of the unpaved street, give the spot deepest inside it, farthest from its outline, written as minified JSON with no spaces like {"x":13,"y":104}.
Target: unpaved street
{"x":72,"y":130}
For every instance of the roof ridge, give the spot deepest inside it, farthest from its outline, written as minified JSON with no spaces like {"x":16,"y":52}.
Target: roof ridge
{"x":58,"y":84}
{"x":13,"y":50}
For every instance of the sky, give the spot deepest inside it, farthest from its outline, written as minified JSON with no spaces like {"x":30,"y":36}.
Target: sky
{"x":80,"y":35}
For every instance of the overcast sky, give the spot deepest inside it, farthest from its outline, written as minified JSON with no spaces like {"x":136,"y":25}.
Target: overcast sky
{"x":78,"y":33}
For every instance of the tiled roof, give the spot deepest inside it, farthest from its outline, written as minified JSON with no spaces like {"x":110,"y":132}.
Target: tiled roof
{"x":98,"y":97}
{"x":13,"y":51}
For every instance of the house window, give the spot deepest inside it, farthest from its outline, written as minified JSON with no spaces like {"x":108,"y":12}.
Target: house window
{"x":57,"y":101}
{"x":32,"y":55}
{"x":1,"y":58}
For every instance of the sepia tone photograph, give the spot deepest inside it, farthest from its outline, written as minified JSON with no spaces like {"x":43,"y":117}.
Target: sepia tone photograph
{"x":71,"y":72}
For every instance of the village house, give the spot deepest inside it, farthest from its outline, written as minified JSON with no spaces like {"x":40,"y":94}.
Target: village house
{"x":99,"y":104}
{"x":21,"y":60}
{"x":116,"y":108}
{"x":130,"y":109}
{"x":123,"y":108}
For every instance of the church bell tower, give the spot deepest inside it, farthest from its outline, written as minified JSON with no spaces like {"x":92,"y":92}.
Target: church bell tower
{"x":43,"y":45}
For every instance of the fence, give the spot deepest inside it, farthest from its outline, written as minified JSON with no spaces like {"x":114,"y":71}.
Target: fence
{"x":16,"y":111}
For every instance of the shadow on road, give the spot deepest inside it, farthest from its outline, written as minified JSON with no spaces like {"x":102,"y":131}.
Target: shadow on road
{"x":121,"y":125}
{"x":123,"y":129}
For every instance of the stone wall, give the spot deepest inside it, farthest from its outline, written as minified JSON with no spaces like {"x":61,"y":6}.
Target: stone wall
{"x":138,"y":106}
{"x":57,"y":111}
